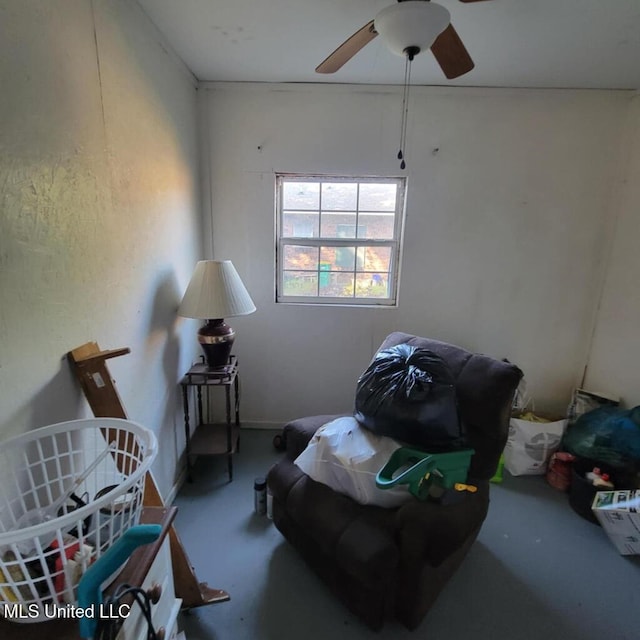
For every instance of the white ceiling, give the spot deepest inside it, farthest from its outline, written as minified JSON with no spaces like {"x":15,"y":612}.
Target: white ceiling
{"x":514,"y":43}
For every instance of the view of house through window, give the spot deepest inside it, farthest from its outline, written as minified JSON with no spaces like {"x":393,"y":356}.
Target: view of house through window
{"x":338,"y":239}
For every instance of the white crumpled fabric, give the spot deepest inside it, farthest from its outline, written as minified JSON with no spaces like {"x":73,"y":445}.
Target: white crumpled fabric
{"x":347,"y":457}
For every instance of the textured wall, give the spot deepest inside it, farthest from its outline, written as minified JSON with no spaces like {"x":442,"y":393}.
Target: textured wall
{"x":508,"y":218}
{"x":100,"y":223}
{"x":614,"y":364}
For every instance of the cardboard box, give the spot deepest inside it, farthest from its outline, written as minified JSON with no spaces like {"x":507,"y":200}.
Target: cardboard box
{"x":619,"y":514}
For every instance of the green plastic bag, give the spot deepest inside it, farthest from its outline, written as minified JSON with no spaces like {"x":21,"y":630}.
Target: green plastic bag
{"x":609,"y":434}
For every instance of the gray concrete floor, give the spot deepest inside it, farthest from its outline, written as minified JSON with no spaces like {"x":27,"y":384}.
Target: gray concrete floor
{"x":537,"y":572}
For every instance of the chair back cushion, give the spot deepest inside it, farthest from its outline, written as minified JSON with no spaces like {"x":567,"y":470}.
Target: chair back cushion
{"x":485,"y":388}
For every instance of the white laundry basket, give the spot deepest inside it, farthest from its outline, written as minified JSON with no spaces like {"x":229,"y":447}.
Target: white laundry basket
{"x":67,"y":492}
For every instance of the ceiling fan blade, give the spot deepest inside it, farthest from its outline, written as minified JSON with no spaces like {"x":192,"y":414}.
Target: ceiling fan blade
{"x":348,"y":49}
{"x":451,"y":54}
{"x":472,"y":1}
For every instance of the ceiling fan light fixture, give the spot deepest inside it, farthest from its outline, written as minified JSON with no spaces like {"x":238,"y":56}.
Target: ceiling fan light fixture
{"x":413,"y":23}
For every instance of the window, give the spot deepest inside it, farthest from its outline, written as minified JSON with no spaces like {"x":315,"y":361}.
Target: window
{"x":338,"y":239}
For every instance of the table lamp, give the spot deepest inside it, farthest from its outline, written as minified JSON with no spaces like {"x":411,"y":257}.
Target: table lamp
{"x":216,"y":292}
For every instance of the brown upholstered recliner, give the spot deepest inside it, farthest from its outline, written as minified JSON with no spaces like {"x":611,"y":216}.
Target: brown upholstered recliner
{"x":394,"y":562}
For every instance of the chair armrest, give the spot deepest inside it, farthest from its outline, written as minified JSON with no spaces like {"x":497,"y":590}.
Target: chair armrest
{"x":428,"y":531}
{"x":368,"y":552}
{"x":298,"y":433}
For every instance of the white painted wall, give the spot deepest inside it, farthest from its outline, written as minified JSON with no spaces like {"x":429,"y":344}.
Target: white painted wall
{"x":508,"y":219}
{"x":100,"y":219}
{"x":614,"y":363}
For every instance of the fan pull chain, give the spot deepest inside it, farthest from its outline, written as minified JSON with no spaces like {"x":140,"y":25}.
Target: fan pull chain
{"x":405,"y":109}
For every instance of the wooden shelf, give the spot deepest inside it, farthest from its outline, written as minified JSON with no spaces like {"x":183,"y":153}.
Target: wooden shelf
{"x":202,"y":374}
{"x":210,"y":439}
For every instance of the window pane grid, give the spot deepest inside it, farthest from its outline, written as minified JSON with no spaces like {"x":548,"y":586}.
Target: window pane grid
{"x":333,"y":253}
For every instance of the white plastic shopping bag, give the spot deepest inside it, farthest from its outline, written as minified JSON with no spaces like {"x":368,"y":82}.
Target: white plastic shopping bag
{"x":584,"y":401}
{"x":531,"y":442}
{"x":347,"y":457}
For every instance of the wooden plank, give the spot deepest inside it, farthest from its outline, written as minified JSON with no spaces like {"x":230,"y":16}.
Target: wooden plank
{"x":193,"y":593}
{"x":99,"y":355}
{"x":88,"y":363}
{"x":136,"y":569}
{"x":96,"y":381}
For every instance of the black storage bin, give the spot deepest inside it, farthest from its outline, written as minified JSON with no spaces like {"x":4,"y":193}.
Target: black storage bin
{"x":582,"y":492}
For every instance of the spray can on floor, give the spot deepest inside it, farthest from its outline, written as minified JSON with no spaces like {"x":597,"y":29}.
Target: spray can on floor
{"x":260,"y":496}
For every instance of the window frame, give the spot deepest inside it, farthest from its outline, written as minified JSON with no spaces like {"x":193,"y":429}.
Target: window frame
{"x":395,"y":244}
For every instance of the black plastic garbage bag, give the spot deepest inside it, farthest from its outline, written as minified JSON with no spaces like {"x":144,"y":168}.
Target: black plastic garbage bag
{"x":408,"y":393}
{"x":609,"y":434}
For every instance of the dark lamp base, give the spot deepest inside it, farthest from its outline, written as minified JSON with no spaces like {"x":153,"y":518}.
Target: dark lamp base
{"x":216,"y":339}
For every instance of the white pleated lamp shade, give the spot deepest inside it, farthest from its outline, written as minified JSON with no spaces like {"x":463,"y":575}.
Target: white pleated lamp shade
{"x":215,"y":291}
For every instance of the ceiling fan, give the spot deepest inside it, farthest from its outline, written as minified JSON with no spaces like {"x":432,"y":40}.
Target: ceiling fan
{"x":408,"y":27}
